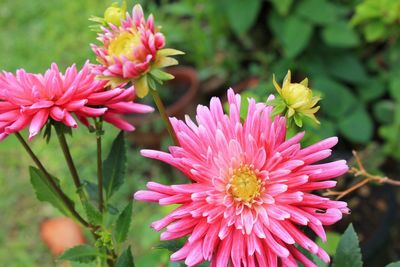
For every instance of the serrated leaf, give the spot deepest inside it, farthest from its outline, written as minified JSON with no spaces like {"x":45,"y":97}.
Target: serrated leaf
{"x":348,"y":252}
{"x":125,"y":259}
{"x":242,"y":14}
{"x":82,"y":253}
{"x":93,"y":215}
{"x":114,"y":166}
{"x":332,"y":241}
{"x":123,"y":223}
{"x":45,"y":192}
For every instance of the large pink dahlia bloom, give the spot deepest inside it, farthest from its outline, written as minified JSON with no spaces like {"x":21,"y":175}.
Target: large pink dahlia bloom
{"x":251,"y":189}
{"x":128,"y":51}
{"x":28,"y":99}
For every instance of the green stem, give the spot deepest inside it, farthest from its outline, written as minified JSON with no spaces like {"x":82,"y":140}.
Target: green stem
{"x":51,"y":181}
{"x":99,"y":130}
{"x":164,"y":116}
{"x":70,"y":162}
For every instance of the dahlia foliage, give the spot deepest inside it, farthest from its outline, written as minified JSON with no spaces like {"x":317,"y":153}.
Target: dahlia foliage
{"x":28,"y":99}
{"x":251,"y":189}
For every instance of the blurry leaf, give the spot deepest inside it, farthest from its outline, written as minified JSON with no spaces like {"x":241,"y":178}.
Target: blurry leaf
{"x":384,"y":111}
{"x":114,"y":166}
{"x":348,"y":252}
{"x":282,"y":6}
{"x":295,"y":35}
{"x":123,"y":223}
{"x":82,"y":253}
{"x":45,"y":192}
{"x":348,"y":68}
{"x":337,"y":100}
{"x":340,"y":34}
{"x":394,"y":264}
{"x":172,"y":245}
{"x":92,"y":190}
{"x":93,"y":215}
{"x":371,"y":89}
{"x":394,"y":86}
{"x":112,"y":210}
{"x":332,"y":241}
{"x":315,"y":133}
{"x":375,"y":30}
{"x":125,"y":259}
{"x":320,"y":12}
{"x":357,"y":126}
{"x":242,"y":14}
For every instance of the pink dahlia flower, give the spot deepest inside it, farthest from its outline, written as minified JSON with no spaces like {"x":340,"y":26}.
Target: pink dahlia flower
{"x":128,"y":50}
{"x":251,"y":190}
{"x":28,"y":99}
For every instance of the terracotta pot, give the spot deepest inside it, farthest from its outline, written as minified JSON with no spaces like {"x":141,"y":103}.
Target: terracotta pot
{"x":185,"y":86}
{"x":60,"y":234}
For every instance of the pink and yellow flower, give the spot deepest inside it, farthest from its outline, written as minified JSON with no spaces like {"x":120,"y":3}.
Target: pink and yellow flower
{"x":129,"y":51}
{"x":251,"y":189}
{"x":28,"y":99}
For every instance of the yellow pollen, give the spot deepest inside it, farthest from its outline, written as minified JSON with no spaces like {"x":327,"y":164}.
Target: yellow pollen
{"x":244,"y":184}
{"x":122,"y":45}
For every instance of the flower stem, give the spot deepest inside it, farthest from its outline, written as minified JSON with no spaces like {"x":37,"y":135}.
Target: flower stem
{"x":99,"y":132}
{"x":51,"y":181}
{"x":161,"y":109}
{"x":70,"y":162}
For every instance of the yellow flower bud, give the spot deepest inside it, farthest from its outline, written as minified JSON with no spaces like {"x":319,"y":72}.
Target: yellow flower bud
{"x":115,"y":13}
{"x":298,"y":98}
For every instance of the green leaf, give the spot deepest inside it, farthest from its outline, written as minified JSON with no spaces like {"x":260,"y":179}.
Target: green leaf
{"x":337,"y":100}
{"x":375,"y":30}
{"x":123,"y":223}
{"x":348,"y":252}
{"x":125,"y":259}
{"x":242,"y":14}
{"x":371,"y":89}
{"x":384,"y":111}
{"x":282,"y":6}
{"x":82,"y":253}
{"x":45,"y":192}
{"x":295,"y":36}
{"x":340,"y":34}
{"x":347,"y":67}
{"x":320,"y":12}
{"x":394,"y":86}
{"x":172,"y":245}
{"x":161,"y":75}
{"x":93,"y":215}
{"x":114,"y":166}
{"x":332,"y":241}
{"x":394,"y":264}
{"x":357,"y":126}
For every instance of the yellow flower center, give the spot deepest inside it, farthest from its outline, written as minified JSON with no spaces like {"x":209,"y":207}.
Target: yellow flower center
{"x":245,"y":185}
{"x":123,"y":45}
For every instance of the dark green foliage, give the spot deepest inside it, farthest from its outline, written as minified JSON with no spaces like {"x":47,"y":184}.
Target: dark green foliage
{"x":123,"y":223}
{"x":125,"y":259}
{"x":348,"y":252}
{"x":82,"y":253}
{"x":114,"y":166}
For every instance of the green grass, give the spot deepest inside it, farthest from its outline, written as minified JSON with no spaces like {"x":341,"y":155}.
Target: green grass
{"x":34,"y":34}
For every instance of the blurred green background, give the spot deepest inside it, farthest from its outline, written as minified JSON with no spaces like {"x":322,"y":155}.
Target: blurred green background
{"x":349,"y":50}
